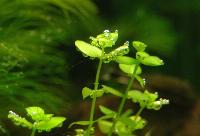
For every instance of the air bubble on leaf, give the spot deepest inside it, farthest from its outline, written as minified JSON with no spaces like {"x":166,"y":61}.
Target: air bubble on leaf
{"x":106,"y":31}
{"x":144,"y":80}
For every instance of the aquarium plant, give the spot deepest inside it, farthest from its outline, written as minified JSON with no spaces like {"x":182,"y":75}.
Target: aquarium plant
{"x":41,"y":121}
{"x":124,"y":123}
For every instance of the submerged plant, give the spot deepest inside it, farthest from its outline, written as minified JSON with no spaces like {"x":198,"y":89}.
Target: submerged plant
{"x":123,"y":123}
{"x":42,"y":121}
{"x":97,"y":49}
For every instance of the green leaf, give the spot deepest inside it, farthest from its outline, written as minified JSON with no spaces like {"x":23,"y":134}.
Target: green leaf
{"x":106,"y":110}
{"x":139,"y":122}
{"x":120,"y":51}
{"x":86,"y":92}
{"x":126,"y":60}
{"x":127,"y":121}
{"x":138,"y":97}
{"x":151,"y":96}
{"x":127,"y":113}
{"x":104,"y":126}
{"x":140,"y":80}
{"x":139,"y":46}
{"x":98,"y":93}
{"x":106,"y":39}
{"x":108,"y":116}
{"x":88,"y":49}
{"x":82,"y":123}
{"x":47,"y":125}
{"x":36,"y":113}
{"x":152,"y":61}
{"x":112,"y":91}
{"x":19,"y":121}
{"x":141,"y":55}
{"x":129,"y":69}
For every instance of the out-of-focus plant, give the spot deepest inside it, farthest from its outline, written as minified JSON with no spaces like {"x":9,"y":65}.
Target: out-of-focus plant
{"x":124,"y":124}
{"x":42,"y":121}
{"x":33,"y":34}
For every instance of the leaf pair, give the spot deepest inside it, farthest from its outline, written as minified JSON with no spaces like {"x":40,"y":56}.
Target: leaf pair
{"x":86,"y":92}
{"x":124,"y":125}
{"x":98,"y":44}
{"x":42,"y":121}
{"x":89,"y":92}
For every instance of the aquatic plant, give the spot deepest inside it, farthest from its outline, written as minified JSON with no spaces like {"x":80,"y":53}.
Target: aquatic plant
{"x":42,"y":121}
{"x":123,"y":123}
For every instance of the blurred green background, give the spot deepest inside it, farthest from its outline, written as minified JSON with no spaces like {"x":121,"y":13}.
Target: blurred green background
{"x":39,"y":64}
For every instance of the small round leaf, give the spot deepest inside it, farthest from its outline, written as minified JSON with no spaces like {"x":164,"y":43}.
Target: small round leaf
{"x":152,"y":61}
{"x":139,"y":46}
{"x":129,"y":69}
{"x":88,"y":50}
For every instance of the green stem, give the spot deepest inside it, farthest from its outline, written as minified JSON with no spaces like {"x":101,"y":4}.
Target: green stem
{"x":96,"y":85}
{"x":139,"y":112}
{"x":33,"y":132}
{"x":121,"y":106}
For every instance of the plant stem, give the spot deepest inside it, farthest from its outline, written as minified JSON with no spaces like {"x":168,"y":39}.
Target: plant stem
{"x":96,"y":85}
{"x":121,"y":106}
{"x":33,"y":132}
{"x":139,"y":112}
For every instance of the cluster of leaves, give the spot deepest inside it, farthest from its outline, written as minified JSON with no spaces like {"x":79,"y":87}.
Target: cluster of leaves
{"x":31,"y":35}
{"x":42,"y":121}
{"x":126,"y":123}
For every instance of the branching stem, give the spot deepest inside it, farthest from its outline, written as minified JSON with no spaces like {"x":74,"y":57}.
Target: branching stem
{"x":33,"y":132}
{"x":123,"y":100}
{"x":96,"y":85}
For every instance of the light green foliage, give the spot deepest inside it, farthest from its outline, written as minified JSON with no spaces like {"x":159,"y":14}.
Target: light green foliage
{"x":113,"y":91}
{"x":88,"y":92}
{"x":147,"y":100}
{"x":106,"y":39}
{"x":139,"y":46}
{"x":97,"y":50}
{"x":42,"y":121}
{"x":126,"y":60}
{"x":113,"y":55}
{"x":123,"y":123}
{"x":19,"y":121}
{"x":124,"y":126}
{"x":130,"y":68}
{"x":152,"y":61}
{"x":88,"y":50}
{"x":102,"y":41}
{"x":106,"y":111}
